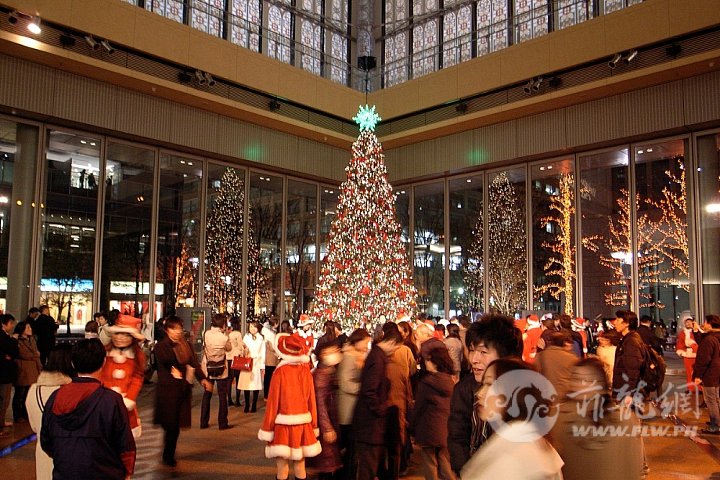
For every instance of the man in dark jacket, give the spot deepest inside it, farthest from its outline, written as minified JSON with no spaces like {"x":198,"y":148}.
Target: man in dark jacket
{"x":648,"y":336}
{"x":45,"y":329}
{"x":369,"y":419}
{"x":707,"y":372}
{"x":8,"y":369}
{"x":490,"y":338}
{"x":628,"y":357}
{"x":85,"y":426}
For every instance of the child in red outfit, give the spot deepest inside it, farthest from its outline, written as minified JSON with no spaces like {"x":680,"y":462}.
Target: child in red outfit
{"x":290,"y":426}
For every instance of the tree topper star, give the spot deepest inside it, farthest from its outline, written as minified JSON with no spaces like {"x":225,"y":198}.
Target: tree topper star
{"x":367,"y":118}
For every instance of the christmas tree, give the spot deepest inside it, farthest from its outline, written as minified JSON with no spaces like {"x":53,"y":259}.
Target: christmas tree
{"x":223,"y":249}
{"x":365,"y":274}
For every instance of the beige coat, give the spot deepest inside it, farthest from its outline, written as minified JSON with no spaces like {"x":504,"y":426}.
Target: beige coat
{"x":349,"y":379}
{"x":28,"y":362}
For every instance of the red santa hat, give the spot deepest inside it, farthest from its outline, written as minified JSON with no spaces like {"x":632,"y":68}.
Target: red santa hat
{"x":127,"y":324}
{"x":532,"y":321}
{"x":578,"y":323}
{"x":292,"y":348}
{"x":304,"y":320}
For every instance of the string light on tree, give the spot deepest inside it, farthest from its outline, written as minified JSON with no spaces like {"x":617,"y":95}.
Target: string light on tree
{"x":365,"y":275}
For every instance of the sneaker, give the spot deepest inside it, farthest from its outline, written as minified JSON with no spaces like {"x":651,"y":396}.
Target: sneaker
{"x":711,"y":431}
{"x":170,"y":462}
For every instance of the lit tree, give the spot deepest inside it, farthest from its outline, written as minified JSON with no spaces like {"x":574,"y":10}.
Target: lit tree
{"x":365,"y":272}
{"x":185,"y":274}
{"x":507,"y":275}
{"x":474,"y":271}
{"x":561,"y":263}
{"x":223,"y":249}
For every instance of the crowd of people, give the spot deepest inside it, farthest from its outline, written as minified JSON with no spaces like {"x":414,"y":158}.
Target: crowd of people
{"x":359,"y":404}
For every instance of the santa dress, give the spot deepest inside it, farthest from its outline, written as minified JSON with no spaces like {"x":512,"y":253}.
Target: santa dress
{"x":123,"y":373}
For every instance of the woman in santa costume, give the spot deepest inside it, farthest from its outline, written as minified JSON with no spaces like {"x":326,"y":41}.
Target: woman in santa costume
{"x":290,"y":426}
{"x":687,"y":347}
{"x":124,"y":367}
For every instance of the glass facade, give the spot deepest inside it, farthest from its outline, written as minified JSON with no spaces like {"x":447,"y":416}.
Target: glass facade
{"x":128,"y":226}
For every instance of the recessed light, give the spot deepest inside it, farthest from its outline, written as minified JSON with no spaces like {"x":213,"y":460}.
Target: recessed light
{"x":84,"y":142}
{"x":550,"y":167}
{"x":640,"y":152}
{"x":92,"y":144}
{"x":190,"y":163}
{"x":542,"y":168}
{"x":649,"y":150}
{"x":469,"y":180}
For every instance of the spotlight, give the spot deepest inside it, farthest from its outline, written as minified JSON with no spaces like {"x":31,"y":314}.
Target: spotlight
{"x":528,"y":87}
{"x":34,"y":26}
{"x":184,"y":77}
{"x":12,"y":18}
{"x":274,"y":105}
{"x":67,"y":40}
{"x":630,"y":57}
{"x":461,"y":107}
{"x":673,"y":50}
{"x":615,"y":60}
{"x":555,"y":82}
{"x":106,"y":45}
{"x":92,"y":43}
{"x":537,"y":84}
{"x":200,"y":77}
{"x":210,"y":80}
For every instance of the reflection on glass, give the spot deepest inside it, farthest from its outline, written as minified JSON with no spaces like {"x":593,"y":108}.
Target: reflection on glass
{"x":552,"y":193}
{"x":402,"y":209}
{"x":300,"y":246}
{"x":69,"y":226}
{"x":466,"y":247}
{"x":507,"y":251}
{"x":709,"y":188}
{"x":605,"y":219}
{"x":662,"y":234}
{"x":429,"y":250}
{"x":178,"y":247}
{"x":266,"y":194}
{"x":125,"y":283}
{"x":328,"y":210}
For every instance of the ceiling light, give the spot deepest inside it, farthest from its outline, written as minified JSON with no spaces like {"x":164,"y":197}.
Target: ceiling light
{"x":84,"y":142}
{"x":528,"y":87}
{"x":542,"y":169}
{"x":537,"y":84}
{"x":201,"y":80}
{"x":631,"y":56}
{"x":67,"y":40}
{"x":640,"y":152}
{"x":12,"y":18}
{"x":92,"y":43}
{"x":210,"y":80}
{"x":106,"y":45}
{"x":274,"y":105}
{"x":649,"y":150}
{"x":184,"y":77}
{"x":34,"y":26}
{"x":550,"y":167}
{"x":469,"y":180}
{"x":615,"y":60}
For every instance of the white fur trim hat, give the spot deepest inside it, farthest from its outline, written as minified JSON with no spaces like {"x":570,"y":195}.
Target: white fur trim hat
{"x":292,"y":348}
{"x":127,"y":324}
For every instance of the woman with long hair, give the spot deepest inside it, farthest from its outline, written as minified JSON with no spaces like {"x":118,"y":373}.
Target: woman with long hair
{"x":28,"y":368}
{"x":236,"y":343}
{"x":254,"y":347}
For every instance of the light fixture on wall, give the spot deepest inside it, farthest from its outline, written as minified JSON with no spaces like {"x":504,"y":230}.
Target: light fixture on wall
{"x":13,"y":18}
{"x":274,"y":105}
{"x":527,"y":88}
{"x":92,"y":43}
{"x":34,"y":26}
{"x":615,"y":60}
{"x":461,"y":107}
{"x":209,"y":79}
{"x":67,"y":40}
{"x":537,"y":84}
{"x":184,"y":77}
{"x":555,"y":82}
{"x":200,"y":77}
{"x":630,"y":57}
{"x":106,"y":45}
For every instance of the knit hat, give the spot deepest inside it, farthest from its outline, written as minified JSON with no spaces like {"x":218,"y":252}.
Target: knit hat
{"x":127,"y":324}
{"x":292,"y":348}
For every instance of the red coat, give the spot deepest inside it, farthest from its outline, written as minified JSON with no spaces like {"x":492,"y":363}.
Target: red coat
{"x":124,"y":372}
{"x":683,"y":349}
{"x":290,"y":425}
{"x":530,"y":341}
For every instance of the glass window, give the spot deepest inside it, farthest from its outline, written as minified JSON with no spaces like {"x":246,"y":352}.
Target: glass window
{"x":300,"y":247}
{"x":18,"y":170}
{"x":172,"y":9}
{"x":606,"y":255}
{"x":429,"y":251}
{"x":402,"y":208}
{"x":507,"y":250}
{"x":425,"y":38}
{"x":266,"y":202}
{"x":338,"y":30}
{"x":69,"y":227}
{"x":245,"y":23}
{"x":531,"y":19}
{"x":708,"y":148}
{"x":395,"y":67}
{"x":662,"y":230}
{"x":572,"y":12}
{"x":329,"y":198}
{"x":466,"y":246}
{"x":610,"y":6}
{"x":311,"y":35}
{"x":553,"y":236}
{"x":207,"y":15}
{"x":280,"y":30}
{"x":125,"y":281}
{"x":178,"y":243}
{"x":457,"y":31}
{"x":492,"y":26}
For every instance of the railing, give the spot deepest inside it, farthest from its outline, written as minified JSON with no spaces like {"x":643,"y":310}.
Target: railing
{"x":493,"y":31}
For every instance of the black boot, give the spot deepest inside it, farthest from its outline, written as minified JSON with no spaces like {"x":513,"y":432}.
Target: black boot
{"x":237,"y":398}
{"x":247,"y":401}
{"x":254,"y":404}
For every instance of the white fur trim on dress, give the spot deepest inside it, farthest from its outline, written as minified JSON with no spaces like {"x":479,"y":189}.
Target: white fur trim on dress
{"x":129,"y":404}
{"x":266,"y":436}
{"x":118,"y":374}
{"x":293,"y":419}
{"x":316,"y":432}
{"x":137,"y":432}
{"x":283,"y":451}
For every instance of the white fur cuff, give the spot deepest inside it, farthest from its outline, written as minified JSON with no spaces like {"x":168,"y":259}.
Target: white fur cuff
{"x":316,"y":431}
{"x":266,"y":436}
{"x":293,"y":419}
{"x":129,"y":404}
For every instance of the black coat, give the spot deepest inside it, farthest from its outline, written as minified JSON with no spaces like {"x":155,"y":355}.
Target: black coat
{"x":8,"y":354}
{"x":707,"y":362}
{"x":173,"y":396}
{"x":372,"y":404}
{"x":459,"y":423}
{"x":628,"y":361}
{"x":650,"y":339}
{"x":429,"y":418}
{"x":45,"y":329}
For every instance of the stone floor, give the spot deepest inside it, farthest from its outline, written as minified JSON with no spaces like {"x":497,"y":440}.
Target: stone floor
{"x":237,"y":453}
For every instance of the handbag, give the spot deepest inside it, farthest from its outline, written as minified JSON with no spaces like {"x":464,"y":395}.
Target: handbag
{"x":215,"y":368}
{"x":242,"y":364}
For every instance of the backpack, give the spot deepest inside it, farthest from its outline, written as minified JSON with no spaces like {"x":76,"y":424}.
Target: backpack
{"x":652,"y":370}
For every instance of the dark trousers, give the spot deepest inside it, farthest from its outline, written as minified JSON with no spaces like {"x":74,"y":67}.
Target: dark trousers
{"x":347,"y":447}
{"x":171,"y":439}
{"x":234,"y":375}
{"x":18,"y":402}
{"x":266,"y":381}
{"x":223,"y":387}
{"x":368,"y":460}
{"x":390,"y":460}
